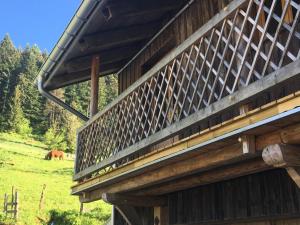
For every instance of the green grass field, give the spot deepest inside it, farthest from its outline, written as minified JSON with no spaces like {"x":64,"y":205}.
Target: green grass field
{"x":22,"y":165}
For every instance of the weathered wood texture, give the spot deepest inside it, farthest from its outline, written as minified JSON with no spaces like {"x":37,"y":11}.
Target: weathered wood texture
{"x":215,"y":68}
{"x":186,"y":24}
{"x":265,"y":135}
{"x":267,"y":195}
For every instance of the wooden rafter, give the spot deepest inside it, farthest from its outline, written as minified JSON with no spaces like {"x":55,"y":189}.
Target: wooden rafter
{"x":83,"y":75}
{"x":107,"y":57}
{"x":122,"y":36}
{"x":123,"y":199}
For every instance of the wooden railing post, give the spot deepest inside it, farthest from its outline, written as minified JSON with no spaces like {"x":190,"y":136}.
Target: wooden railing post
{"x":5,"y":203}
{"x":16,"y":202}
{"x":94,"y":85}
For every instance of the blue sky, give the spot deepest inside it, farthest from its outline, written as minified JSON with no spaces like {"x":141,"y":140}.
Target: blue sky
{"x":38,"y":22}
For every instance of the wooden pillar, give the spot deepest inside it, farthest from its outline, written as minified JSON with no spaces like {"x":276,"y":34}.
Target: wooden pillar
{"x":161,"y":215}
{"x":94,"y":85}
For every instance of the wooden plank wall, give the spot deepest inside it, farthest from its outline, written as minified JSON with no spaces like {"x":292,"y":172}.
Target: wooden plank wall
{"x":263,"y":196}
{"x":192,"y":19}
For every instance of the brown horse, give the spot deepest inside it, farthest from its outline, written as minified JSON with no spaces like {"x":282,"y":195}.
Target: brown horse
{"x":53,"y":154}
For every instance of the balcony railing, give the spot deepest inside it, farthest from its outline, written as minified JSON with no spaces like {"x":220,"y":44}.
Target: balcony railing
{"x":249,"y":40}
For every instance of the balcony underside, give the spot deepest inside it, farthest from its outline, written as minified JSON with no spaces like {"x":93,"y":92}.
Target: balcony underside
{"x":209,"y":156}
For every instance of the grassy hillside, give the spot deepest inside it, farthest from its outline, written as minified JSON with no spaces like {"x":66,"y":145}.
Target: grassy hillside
{"x":22,"y":165}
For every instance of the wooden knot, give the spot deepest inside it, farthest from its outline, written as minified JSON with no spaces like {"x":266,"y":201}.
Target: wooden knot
{"x":272,"y":155}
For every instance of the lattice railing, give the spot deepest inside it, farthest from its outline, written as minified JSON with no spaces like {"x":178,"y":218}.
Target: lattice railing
{"x":248,"y":40}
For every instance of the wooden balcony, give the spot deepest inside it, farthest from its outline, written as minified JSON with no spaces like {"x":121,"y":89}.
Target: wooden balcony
{"x":250,"y":47}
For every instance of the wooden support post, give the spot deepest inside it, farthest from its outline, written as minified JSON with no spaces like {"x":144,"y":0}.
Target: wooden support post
{"x":16,"y":210}
{"x":42,"y":197}
{"x":94,"y":85}
{"x":248,"y":143}
{"x":81,"y":208}
{"x":284,"y":156}
{"x":5,"y":204}
{"x":161,"y":215}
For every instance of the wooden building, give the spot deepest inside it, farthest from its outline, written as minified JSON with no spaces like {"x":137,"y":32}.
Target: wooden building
{"x":206,"y":127}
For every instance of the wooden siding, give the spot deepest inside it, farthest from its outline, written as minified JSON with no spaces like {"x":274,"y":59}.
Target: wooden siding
{"x":263,"y":196}
{"x":187,"y":23}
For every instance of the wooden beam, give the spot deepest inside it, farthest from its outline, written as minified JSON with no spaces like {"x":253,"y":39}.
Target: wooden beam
{"x":107,"y":57}
{"x":212,"y":176}
{"x":194,"y":164}
{"x":290,"y":133}
{"x":94,"y":85}
{"x":284,"y":156}
{"x":75,"y":77}
{"x":137,"y":7}
{"x":122,"y":36}
{"x":142,"y":201}
{"x":216,"y":175}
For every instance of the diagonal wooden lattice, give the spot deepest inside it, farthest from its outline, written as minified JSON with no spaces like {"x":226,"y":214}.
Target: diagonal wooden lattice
{"x":254,"y":39}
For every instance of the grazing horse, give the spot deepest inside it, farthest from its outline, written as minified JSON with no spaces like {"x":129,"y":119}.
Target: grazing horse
{"x":53,"y":154}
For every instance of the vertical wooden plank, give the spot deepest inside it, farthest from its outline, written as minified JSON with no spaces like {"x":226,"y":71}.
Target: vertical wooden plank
{"x":94,"y":85}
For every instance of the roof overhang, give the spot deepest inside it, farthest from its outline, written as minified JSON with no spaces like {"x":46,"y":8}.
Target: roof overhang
{"x":115,"y":30}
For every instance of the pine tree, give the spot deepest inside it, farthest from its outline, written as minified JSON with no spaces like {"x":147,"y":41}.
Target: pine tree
{"x":72,"y":124}
{"x":79,"y":95}
{"x":56,"y":118}
{"x":9,"y":61}
{"x":17,"y":122}
{"x":102,"y":93}
{"x":33,"y":104}
{"x":111,"y":87}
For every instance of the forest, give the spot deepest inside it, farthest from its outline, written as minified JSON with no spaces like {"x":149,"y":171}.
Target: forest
{"x":24,"y":111}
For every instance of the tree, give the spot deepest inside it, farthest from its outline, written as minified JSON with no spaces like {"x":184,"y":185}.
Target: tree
{"x":18,"y":123}
{"x":102,"y":101}
{"x":9,"y":61}
{"x":54,"y":138}
{"x":111,"y":87}
{"x":72,"y":124}
{"x":33,"y":104}
{"x":78,"y":94}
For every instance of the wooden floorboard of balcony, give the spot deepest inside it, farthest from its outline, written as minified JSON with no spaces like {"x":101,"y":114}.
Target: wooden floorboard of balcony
{"x":201,"y":158}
